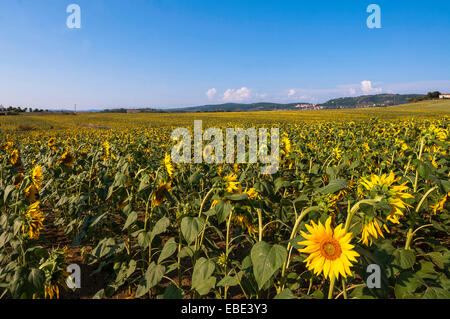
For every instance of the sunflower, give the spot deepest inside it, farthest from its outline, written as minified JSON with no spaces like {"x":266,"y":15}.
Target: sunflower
{"x":51,"y":142}
{"x":107,"y":150}
{"x":8,"y":145}
{"x":371,"y":229}
{"x":168,"y":165}
{"x":34,"y":219}
{"x":231,"y":184}
{"x":439,"y":207}
{"x":55,"y":272}
{"x":393,"y":194}
{"x":36,"y":177}
{"x":252,"y":193}
{"x":67,"y":159}
{"x":15,"y":157}
{"x":31,"y":193}
{"x":287,"y":145}
{"x":159,"y":196}
{"x":330,"y":251}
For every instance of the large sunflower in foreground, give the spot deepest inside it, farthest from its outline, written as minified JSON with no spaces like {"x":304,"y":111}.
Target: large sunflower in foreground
{"x":330,"y":251}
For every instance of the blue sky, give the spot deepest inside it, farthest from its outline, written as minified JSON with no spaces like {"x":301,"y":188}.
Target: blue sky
{"x":170,"y":53}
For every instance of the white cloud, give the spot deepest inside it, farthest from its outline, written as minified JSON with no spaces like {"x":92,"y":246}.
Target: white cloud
{"x":211,"y":93}
{"x":291,"y":92}
{"x":366,"y":88}
{"x":237,"y":94}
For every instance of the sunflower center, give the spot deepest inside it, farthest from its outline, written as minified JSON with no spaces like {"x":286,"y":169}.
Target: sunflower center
{"x":330,"y":249}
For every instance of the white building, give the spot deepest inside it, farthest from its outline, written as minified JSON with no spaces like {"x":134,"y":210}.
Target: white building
{"x":444,"y":96}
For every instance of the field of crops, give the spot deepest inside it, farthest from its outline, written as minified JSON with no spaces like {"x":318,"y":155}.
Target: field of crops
{"x":354,"y":188}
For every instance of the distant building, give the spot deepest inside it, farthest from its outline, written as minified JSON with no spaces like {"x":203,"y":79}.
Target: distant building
{"x":444,"y":96}
{"x":133,"y":111}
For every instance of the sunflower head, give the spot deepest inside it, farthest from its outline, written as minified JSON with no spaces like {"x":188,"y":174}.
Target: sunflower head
{"x":231,"y":184}
{"x":159,"y":196}
{"x":168,"y":165}
{"x":383,"y":187}
{"x":329,"y":250}
{"x":34,"y":221}
{"x":67,"y":159}
{"x":371,"y":229}
{"x":36,"y":177}
{"x":15,"y":157}
{"x":55,"y":272}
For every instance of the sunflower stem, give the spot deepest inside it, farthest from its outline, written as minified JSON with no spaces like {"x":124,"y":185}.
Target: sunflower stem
{"x":330,"y":291}
{"x":289,"y":246}
{"x":419,"y":157}
{"x":423,"y":198}
{"x":260,"y":225}
{"x":344,"y":290}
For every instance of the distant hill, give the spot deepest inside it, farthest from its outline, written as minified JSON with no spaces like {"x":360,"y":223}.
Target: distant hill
{"x":378,"y":100}
{"x":240,"y":107}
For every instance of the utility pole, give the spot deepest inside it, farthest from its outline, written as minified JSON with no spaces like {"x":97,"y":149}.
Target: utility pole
{"x":75,"y":108}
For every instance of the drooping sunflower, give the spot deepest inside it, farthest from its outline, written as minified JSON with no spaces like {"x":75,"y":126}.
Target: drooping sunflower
{"x":252,"y":193}
{"x":168,"y":165}
{"x":8,"y":146}
{"x":393,"y":194}
{"x":34,"y":219}
{"x":67,"y":159}
{"x":330,"y":251}
{"x":15,"y":157}
{"x":31,"y":193}
{"x":159,"y":196}
{"x":51,"y":142}
{"x":231,"y":184}
{"x":439,"y":207}
{"x":371,"y":229}
{"x":36,"y":177}
{"x":55,"y":272}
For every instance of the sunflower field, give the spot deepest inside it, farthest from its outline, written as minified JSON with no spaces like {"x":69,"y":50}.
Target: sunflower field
{"x":354,"y":192}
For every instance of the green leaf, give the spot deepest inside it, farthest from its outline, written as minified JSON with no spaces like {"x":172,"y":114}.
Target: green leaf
{"x":229,"y":280}
{"x":152,"y":277}
{"x":266,"y":260}
{"x":144,"y":239}
{"x":8,"y":191}
{"x":191,"y":227}
{"x":160,"y":227}
{"x":285,"y":294}
{"x":333,"y":186}
{"x":404,"y":258}
{"x":195,"y":178}
{"x":130,"y":220}
{"x":169,"y":248}
{"x":202,"y":279}
{"x":236,"y":197}
{"x":37,"y":279}
{"x":437,"y":259}
{"x":406,"y":285}
{"x":173,"y":292}
{"x":97,"y":219}
{"x":5,"y":238}
{"x":223,"y":209}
